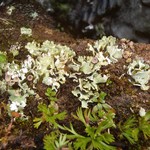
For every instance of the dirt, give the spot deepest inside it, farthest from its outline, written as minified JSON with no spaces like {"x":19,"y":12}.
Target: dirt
{"x":125,"y":98}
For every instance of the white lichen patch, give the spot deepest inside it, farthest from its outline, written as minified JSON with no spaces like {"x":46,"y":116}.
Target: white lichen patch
{"x":17,"y":100}
{"x":34,"y":15}
{"x":26,"y":31}
{"x":50,"y":62}
{"x":115,"y":53}
{"x":140,"y":72}
{"x":142,"y":112}
{"x":104,"y":52}
{"x":88,"y":88}
{"x":10,"y":10}
{"x":109,"y":48}
{"x":46,"y":62}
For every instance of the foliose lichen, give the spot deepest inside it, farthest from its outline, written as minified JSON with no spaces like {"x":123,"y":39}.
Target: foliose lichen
{"x":140,"y":73}
{"x":104,"y":52}
{"x":26,"y":31}
{"x":46,"y":61}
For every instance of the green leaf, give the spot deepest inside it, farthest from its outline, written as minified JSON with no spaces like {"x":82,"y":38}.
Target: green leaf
{"x":129,"y":130}
{"x":80,"y":116}
{"x":102,"y":96}
{"x":108,"y":138}
{"x":128,"y":135}
{"x":81,"y":143}
{"x":91,"y":131}
{"x":135,"y":134}
{"x":103,"y":125}
{"x":104,"y":146}
{"x":37,"y":122}
{"x":51,"y":94}
{"x":54,"y":117}
{"x":144,"y":126}
{"x":99,"y":143}
{"x":3,"y":58}
{"x":71,"y":130}
{"x":49,"y":141}
{"x":147,"y":116}
{"x":43,"y":108}
{"x":61,"y":141}
{"x":131,"y":122}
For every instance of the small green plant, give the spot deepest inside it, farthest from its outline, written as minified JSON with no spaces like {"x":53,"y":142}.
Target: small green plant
{"x":98,"y":123}
{"x":50,"y":113}
{"x":129,"y":130}
{"x":3,"y":61}
{"x":144,"y":125}
{"x":3,"y":58}
{"x":51,"y":94}
{"x":134,"y":127}
{"x":55,"y":141}
{"x":97,"y":129}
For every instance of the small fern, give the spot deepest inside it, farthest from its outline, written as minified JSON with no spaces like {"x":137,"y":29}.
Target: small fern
{"x":55,"y":141}
{"x":134,"y":127}
{"x":51,"y":94}
{"x":97,"y":135}
{"x":49,"y":114}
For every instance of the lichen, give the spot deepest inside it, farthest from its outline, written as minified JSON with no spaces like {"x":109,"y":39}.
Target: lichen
{"x":10,"y":10}
{"x":50,"y":62}
{"x":140,"y":72}
{"x":109,"y":48}
{"x":26,"y":31}
{"x":88,"y":90}
{"x":34,"y":15}
{"x":46,"y":61}
{"x":104,"y":52}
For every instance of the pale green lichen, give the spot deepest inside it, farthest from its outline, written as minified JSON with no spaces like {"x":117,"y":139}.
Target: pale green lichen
{"x":26,"y":31}
{"x":14,"y":48}
{"x":34,"y":15}
{"x":3,"y":86}
{"x":50,"y":62}
{"x":115,"y":53}
{"x":18,"y":100}
{"x":16,"y":74}
{"x":87,"y":90}
{"x":104,"y":52}
{"x":47,"y":62}
{"x":140,"y":72}
{"x":108,"y":46}
{"x":10,"y":10}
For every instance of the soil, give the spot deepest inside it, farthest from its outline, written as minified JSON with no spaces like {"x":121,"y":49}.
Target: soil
{"x":125,"y":98}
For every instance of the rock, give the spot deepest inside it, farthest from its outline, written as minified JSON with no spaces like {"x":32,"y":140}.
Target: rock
{"x":123,"y":19}
{"x":5,"y":2}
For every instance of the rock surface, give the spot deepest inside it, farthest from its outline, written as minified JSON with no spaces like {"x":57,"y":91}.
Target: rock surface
{"x":123,"y":19}
{"x":124,"y":97}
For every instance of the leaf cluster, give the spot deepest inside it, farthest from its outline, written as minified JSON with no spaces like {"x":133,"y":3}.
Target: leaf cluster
{"x":97,"y":130}
{"x":134,"y":128}
{"x":98,"y":123}
{"x":50,"y":113}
